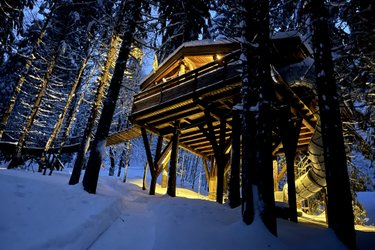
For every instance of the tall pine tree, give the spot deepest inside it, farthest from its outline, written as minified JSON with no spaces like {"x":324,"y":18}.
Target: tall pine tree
{"x":257,"y":97}
{"x":90,"y":180}
{"x":339,"y":207}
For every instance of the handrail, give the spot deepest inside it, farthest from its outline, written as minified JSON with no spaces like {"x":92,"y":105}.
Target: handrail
{"x":195,"y":73}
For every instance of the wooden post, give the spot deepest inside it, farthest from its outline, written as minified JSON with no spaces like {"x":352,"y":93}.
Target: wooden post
{"x":212,"y":182}
{"x":275,"y":175}
{"x":206,"y":170}
{"x":234,"y":183}
{"x":289,"y":137}
{"x":164,"y":179}
{"x":221,"y":162}
{"x":158,"y":151}
{"x":171,"y":190}
{"x":149,"y":160}
{"x":219,"y":152}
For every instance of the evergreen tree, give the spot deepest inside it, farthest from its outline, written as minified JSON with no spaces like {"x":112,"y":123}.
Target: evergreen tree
{"x":102,"y":83}
{"x":340,"y":211}
{"x":93,"y":166}
{"x":24,"y":72}
{"x":56,"y":50}
{"x":226,"y":21}
{"x":11,"y":24}
{"x":257,"y":97}
{"x":182,"y":21}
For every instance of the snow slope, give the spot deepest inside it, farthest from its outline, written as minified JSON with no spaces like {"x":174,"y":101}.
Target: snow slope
{"x":43,"y":212}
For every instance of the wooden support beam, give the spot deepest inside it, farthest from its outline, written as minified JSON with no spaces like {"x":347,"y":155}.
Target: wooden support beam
{"x":168,"y":113}
{"x":171,"y":190}
{"x":196,"y":139}
{"x":204,"y":146}
{"x":165,"y":152}
{"x":210,"y":136}
{"x":148,"y":150}
{"x":193,"y":124}
{"x":289,"y":132}
{"x":207,"y":86}
{"x":158,"y":152}
{"x":275,"y":175}
{"x":206,"y":170}
{"x":207,"y":152}
{"x":212,"y":112}
{"x":182,"y":145}
{"x":281,"y":173}
{"x":219,"y":152}
{"x":150,"y":162}
{"x":171,"y":118}
{"x":203,"y":108}
{"x":196,"y":133}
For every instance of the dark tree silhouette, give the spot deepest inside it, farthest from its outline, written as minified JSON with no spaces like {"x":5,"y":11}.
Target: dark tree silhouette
{"x":90,"y":180}
{"x":257,"y":91}
{"x":339,"y":207}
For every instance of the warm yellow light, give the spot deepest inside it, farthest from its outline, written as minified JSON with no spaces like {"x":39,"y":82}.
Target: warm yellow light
{"x":181,"y":192}
{"x":217,"y":57}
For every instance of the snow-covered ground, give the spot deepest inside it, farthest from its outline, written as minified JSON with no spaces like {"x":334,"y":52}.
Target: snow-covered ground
{"x":43,"y":212}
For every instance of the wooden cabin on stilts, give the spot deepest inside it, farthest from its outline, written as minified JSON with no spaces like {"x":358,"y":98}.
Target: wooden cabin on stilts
{"x":193,"y":101}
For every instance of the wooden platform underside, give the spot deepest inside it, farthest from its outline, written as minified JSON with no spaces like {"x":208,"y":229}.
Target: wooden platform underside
{"x":212,"y":90}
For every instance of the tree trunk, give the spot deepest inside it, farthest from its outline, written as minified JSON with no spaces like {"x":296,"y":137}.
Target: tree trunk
{"x":149,"y":162}
{"x":122,"y":161}
{"x":144,"y":180}
{"x":257,"y":97}
{"x":112,"y":162}
{"x":339,"y":207}
{"x":71,"y":118}
{"x":85,"y":143}
{"x":194,"y":175}
{"x":221,"y":161}
{"x":154,"y":178}
{"x":171,"y":190}
{"x":38,"y":99}
{"x":127,"y":160}
{"x":59,"y":122}
{"x":91,"y":176}
{"x":289,"y":133}
{"x":234,"y":183}
{"x":21,"y":80}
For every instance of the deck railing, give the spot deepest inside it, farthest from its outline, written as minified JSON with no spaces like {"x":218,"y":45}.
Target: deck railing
{"x":193,"y":74}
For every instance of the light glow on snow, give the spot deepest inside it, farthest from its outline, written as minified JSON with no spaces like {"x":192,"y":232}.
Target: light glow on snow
{"x":43,"y":212}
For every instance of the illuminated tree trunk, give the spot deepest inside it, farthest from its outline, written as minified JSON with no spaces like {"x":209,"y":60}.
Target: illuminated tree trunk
{"x":38,"y":99}
{"x":70,"y":118}
{"x":127,"y":159}
{"x":59,"y":122}
{"x":21,"y":80}
{"x":102,"y":83}
{"x":85,"y":143}
{"x":91,"y":176}
{"x":257,"y":90}
{"x":339,"y":199}
{"x":144,"y":179}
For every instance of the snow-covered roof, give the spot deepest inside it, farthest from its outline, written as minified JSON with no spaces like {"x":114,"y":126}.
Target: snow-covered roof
{"x":192,"y":49}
